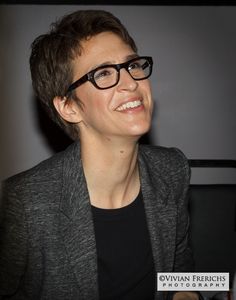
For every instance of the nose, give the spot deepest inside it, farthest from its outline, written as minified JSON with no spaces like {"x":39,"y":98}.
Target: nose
{"x":126,"y":82}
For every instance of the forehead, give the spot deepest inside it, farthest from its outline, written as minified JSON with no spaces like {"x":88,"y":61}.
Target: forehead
{"x":105,"y":47}
{"x":102,"y":42}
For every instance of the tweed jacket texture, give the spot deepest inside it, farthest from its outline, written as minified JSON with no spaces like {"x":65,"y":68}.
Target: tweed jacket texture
{"x":47,"y":241}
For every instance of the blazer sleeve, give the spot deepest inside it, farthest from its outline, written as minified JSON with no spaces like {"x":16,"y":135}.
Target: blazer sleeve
{"x":13,"y":240}
{"x":183,"y":253}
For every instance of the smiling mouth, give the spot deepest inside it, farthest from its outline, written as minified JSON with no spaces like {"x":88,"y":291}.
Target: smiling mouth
{"x":131,"y":104}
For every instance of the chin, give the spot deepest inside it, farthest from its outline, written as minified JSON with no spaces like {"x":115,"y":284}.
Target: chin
{"x":139,"y":131}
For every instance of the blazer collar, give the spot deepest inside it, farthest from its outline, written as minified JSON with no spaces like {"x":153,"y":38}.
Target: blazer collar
{"x":73,"y":182}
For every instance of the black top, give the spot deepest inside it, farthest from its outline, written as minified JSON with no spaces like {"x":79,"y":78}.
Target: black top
{"x":125,"y":262}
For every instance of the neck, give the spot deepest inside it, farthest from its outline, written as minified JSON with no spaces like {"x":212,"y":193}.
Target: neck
{"x":111,"y":172}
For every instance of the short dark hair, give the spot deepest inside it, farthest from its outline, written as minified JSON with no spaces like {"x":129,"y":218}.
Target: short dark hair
{"x":52,"y":55}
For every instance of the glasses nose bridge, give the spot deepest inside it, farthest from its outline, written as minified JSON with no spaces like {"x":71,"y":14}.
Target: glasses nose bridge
{"x":125,"y":80}
{"x":123,"y":66}
{"x":126,"y":66}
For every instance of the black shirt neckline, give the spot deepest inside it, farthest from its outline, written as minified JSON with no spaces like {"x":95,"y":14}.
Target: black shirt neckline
{"x":127,"y":210}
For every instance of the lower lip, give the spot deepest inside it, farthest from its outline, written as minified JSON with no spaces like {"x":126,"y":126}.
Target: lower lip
{"x":132,"y":109}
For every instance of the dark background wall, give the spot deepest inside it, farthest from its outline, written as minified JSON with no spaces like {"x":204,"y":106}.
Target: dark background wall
{"x":194,"y":82}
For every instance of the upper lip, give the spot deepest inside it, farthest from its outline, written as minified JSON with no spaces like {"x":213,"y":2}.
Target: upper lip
{"x":129,"y":100}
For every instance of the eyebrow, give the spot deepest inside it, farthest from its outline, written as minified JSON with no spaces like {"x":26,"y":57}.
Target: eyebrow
{"x":107,"y":63}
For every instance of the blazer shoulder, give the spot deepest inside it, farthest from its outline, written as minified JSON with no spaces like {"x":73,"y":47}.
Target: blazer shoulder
{"x":46,"y":171}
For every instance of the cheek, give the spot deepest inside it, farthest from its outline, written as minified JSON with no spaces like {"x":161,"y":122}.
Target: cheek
{"x":147,"y":87}
{"x":96,"y":103}
{"x":100,"y":100}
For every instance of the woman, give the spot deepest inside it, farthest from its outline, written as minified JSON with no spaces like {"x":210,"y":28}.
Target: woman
{"x":100,"y":219}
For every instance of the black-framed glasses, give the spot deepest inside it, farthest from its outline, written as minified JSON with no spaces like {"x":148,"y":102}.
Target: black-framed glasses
{"x":107,"y":76}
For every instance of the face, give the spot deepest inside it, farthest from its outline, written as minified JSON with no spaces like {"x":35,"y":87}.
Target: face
{"x":123,"y":111}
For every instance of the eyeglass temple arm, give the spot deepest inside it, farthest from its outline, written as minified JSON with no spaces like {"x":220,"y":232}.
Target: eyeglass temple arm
{"x":77,"y":83}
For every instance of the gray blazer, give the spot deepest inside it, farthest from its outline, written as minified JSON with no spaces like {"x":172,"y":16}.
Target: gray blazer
{"x":47,"y":242}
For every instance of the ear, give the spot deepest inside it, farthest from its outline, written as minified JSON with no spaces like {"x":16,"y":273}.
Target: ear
{"x":67,"y":109}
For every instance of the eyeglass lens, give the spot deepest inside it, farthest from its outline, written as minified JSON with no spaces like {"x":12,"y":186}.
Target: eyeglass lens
{"x":108,"y":76}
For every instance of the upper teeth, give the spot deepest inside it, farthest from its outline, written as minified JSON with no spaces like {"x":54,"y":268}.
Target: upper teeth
{"x":129,"y":105}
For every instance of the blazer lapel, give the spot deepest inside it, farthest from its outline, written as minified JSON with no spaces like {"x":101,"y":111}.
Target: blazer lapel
{"x":161,"y":216}
{"x":77,"y":224}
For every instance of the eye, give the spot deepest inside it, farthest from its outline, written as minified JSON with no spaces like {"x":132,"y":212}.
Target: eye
{"x":135,"y":65}
{"x":103,"y":73}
